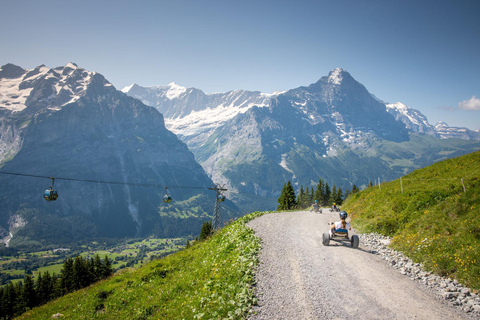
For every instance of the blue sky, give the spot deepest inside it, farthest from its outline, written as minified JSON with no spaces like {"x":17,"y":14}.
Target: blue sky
{"x":425,"y":54}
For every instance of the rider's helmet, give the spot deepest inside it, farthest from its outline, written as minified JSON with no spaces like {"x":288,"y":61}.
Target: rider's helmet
{"x":343,"y":215}
{"x":316,"y":201}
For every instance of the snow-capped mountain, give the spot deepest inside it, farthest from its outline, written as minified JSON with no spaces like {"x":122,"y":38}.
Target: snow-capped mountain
{"x":416,"y":122}
{"x":444,"y":131}
{"x":413,"y":119}
{"x":333,"y":130}
{"x":68,"y":122}
{"x":192,"y":114}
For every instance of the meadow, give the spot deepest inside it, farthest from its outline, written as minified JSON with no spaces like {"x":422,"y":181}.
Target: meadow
{"x":432,"y":215}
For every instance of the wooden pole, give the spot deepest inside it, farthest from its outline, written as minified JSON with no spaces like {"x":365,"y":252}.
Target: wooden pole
{"x":463,"y":184}
{"x":401,"y":184}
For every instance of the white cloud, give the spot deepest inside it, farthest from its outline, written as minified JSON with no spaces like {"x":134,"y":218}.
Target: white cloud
{"x":472,"y":104}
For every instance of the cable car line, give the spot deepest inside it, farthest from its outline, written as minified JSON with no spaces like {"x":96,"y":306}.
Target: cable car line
{"x":52,"y":194}
{"x":100,"y":181}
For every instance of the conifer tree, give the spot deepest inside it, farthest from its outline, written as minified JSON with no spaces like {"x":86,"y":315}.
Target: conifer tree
{"x":319,"y":193}
{"x":98,"y":267}
{"x":307,"y":199}
{"x":287,"y":201}
{"x":281,"y":199}
{"x":355,"y":189}
{"x":301,"y":197}
{"x":9,"y":300}
{"x":79,"y":273}
{"x":67,"y":280}
{"x":326,"y":195}
{"x":290,"y":196}
{"x":29,"y":294}
{"x":333,"y":195}
{"x":44,"y":287}
{"x":339,"y":196}
{"x":206,"y":230}
{"x":107,"y":267}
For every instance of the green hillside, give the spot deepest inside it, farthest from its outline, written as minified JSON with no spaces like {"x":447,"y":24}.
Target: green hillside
{"x":435,"y":221}
{"x":209,"y":280}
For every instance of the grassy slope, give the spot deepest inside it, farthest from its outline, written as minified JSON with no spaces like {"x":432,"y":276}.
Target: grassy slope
{"x":433,"y":221}
{"x":209,"y":280}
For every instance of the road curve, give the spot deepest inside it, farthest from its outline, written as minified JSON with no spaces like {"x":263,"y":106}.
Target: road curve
{"x":299,"y":278}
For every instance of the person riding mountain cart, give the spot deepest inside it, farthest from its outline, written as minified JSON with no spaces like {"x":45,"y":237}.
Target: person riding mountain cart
{"x":316,"y":207}
{"x":339,"y":232}
{"x":334,"y":208}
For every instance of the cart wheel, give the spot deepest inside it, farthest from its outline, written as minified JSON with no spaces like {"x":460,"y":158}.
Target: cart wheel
{"x":355,"y":241}
{"x":326,"y":239}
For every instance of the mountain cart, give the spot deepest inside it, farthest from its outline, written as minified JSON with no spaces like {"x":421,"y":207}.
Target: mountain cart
{"x":341,"y":235}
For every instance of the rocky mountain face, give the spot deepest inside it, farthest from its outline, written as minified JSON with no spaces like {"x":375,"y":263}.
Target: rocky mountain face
{"x":334,"y":130}
{"x":71,"y":123}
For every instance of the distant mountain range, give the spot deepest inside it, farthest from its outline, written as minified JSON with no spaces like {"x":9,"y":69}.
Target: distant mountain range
{"x":333,"y":130}
{"x":72,"y":123}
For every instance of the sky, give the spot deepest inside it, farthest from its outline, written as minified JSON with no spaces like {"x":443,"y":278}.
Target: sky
{"x":423,"y":53}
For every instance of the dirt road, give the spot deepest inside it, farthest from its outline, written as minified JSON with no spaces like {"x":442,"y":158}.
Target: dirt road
{"x":299,"y":278}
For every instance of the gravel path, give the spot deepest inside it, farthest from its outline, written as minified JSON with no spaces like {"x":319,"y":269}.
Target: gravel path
{"x":299,"y":278}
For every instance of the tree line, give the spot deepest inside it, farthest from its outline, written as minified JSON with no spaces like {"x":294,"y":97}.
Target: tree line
{"x":324,"y":195}
{"x":76,"y":273}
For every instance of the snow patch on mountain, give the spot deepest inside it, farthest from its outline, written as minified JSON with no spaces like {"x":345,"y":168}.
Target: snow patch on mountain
{"x":336,"y":76}
{"x":14,"y":92}
{"x":207,"y":119}
{"x":283,"y":163}
{"x":12,"y":96}
{"x":174,"y":90}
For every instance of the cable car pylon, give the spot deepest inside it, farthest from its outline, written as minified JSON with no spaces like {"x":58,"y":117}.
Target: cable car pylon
{"x":216,"y":213}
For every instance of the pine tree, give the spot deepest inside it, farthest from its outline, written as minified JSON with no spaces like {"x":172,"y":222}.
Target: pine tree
{"x":287,"y":201}
{"x":307,"y":200}
{"x":206,"y":230}
{"x":301,"y":198}
{"x":319,"y":193}
{"x":326,"y":196}
{"x":281,"y":199}
{"x":91,"y":271}
{"x":355,"y":189}
{"x":67,"y":280}
{"x":290,"y":196}
{"x":79,"y":273}
{"x":44,"y":287}
{"x":107,"y":267}
{"x":9,"y":300}
{"x":339,"y":197}
{"x":29,"y":292}
{"x":333,"y":195}
{"x":98,"y":267}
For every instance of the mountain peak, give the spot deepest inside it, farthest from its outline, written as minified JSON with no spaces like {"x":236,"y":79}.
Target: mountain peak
{"x":174,"y":90}
{"x":128,"y":88}
{"x":11,"y":71}
{"x":336,"y":76}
